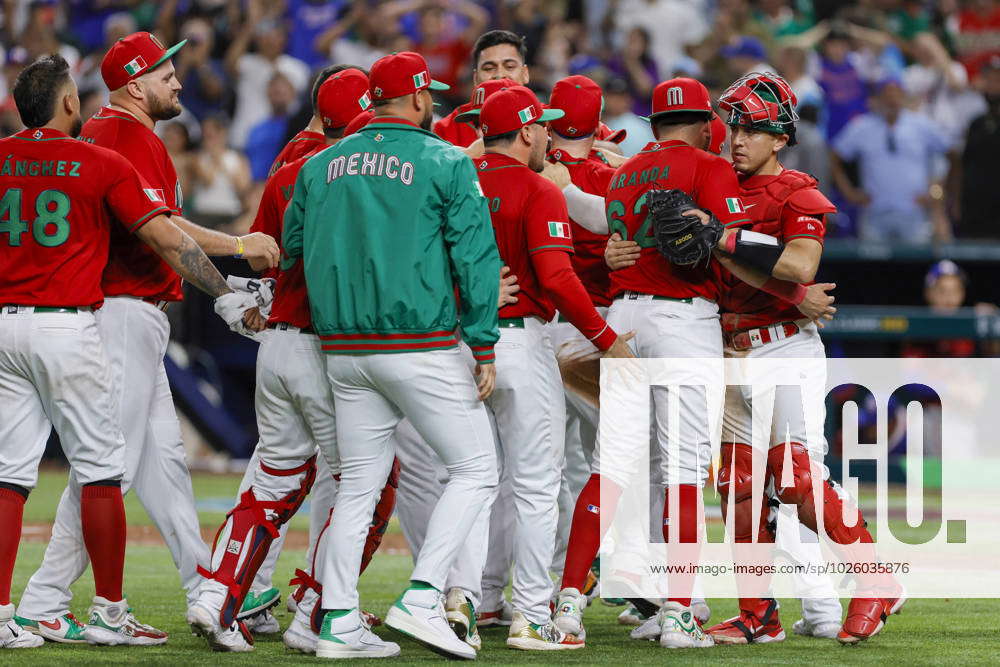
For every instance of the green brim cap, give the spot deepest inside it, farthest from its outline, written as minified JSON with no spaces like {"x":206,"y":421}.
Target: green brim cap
{"x":437,"y":85}
{"x":550,"y":114}
{"x":169,"y":53}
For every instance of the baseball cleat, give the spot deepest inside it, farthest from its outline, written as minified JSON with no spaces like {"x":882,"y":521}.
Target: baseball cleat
{"x":205,"y":623}
{"x":590,"y":587}
{"x":679,"y":628}
{"x":760,"y":625}
{"x":257,"y":602}
{"x":528,"y":636}
{"x":63,"y":629}
{"x":291,"y":604}
{"x":347,"y":636}
{"x":13,"y":635}
{"x":569,"y":613}
{"x":502,"y":616}
{"x":649,"y":630}
{"x":299,"y":636}
{"x":112,"y":624}
{"x":867,"y":616}
{"x":824,"y":630}
{"x":632,"y":616}
{"x":461,"y":616}
{"x":614,"y":602}
{"x":263,"y":624}
{"x":701,"y":610}
{"x":419,"y":614}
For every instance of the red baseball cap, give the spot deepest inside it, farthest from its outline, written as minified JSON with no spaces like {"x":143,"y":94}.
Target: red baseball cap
{"x":359,"y":122}
{"x":511,"y":109}
{"x":681,"y":94}
{"x":479,"y":96}
{"x":342,"y":96}
{"x":131,"y":57}
{"x":605,"y":133}
{"x":582,"y":101}
{"x":718,"y":135}
{"x":399,"y":74}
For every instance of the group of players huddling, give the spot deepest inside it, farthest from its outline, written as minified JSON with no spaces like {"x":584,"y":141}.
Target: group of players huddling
{"x":451,"y":294}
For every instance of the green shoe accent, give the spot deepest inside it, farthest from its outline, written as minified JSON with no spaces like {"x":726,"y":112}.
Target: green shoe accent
{"x":398,"y":604}
{"x":421,"y":586}
{"x":258,"y":600}
{"x":25,"y":622}
{"x":325,"y":633}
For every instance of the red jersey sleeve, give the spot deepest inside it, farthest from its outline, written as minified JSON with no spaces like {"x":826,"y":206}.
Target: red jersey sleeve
{"x":270,"y":211}
{"x":718,"y":190}
{"x":547,"y":220}
{"x":796,"y":225}
{"x":131,"y":201}
{"x":148,"y":159}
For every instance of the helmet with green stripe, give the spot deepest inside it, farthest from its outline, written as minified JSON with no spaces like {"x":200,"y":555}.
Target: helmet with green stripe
{"x":762,"y":101}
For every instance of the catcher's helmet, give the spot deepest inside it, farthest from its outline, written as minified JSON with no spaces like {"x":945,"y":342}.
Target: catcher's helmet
{"x":762,"y":101}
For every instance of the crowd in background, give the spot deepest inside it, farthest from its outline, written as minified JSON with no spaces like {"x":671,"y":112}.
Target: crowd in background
{"x":899,"y":99}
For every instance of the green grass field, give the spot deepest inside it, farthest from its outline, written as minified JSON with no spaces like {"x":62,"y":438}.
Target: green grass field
{"x":928,"y":632}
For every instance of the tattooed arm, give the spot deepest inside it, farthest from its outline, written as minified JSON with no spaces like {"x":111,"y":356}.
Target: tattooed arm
{"x":181,"y":252}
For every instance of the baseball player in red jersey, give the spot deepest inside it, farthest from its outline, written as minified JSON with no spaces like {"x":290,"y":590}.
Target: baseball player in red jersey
{"x":58,"y":198}
{"x":140,"y":286}
{"x":673,"y":310}
{"x":295,"y":418}
{"x":787,"y":206}
{"x":534,"y":238}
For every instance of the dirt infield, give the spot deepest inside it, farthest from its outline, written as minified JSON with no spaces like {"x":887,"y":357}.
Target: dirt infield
{"x":148,"y":536}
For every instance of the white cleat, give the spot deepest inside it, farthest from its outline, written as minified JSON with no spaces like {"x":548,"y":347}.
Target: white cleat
{"x":419,"y":614}
{"x":461,"y":617}
{"x":528,"y":636}
{"x":13,"y":635}
{"x":299,"y":636}
{"x":568,"y":616}
{"x":503,"y":616}
{"x":649,"y":630}
{"x":632,"y":616}
{"x":204,"y":621}
{"x":349,"y":637}
{"x":825,"y":630}
{"x":679,"y":628}
{"x":112,"y":624}
{"x":263,"y":624}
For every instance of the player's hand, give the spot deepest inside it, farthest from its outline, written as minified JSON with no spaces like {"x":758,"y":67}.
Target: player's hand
{"x":698,"y":213}
{"x":557,"y":173}
{"x":508,"y":287}
{"x":262,"y":247}
{"x":620,"y":349}
{"x":618,"y":254}
{"x":486,"y":379}
{"x":254,"y":320}
{"x":818,"y":305}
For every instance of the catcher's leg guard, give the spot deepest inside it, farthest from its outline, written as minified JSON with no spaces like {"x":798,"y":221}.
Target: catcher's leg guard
{"x":243,"y":540}
{"x":383,"y":512}
{"x":736,"y":475}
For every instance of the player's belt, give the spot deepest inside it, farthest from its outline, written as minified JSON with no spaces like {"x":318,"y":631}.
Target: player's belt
{"x":11,"y":308}
{"x":639,"y":296}
{"x":159,"y":305}
{"x":517,"y":322}
{"x":285,"y":326}
{"x":751,"y":338}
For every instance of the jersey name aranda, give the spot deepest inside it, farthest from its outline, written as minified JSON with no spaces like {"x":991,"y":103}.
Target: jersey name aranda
{"x":370,"y":164}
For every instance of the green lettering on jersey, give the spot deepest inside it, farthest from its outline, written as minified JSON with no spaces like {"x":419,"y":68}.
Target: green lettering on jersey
{"x":21,"y":168}
{"x":51,"y":227}
{"x":47,"y":167}
{"x":61,"y":168}
{"x":286,"y":192}
{"x":495,"y":204}
{"x":631,"y":179}
{"x":10,"y":217}
{"x":75,"y":171}
{"x":34,"y":168}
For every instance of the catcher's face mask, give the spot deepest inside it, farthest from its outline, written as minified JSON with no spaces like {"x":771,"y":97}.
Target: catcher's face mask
{"x":762,"y":102}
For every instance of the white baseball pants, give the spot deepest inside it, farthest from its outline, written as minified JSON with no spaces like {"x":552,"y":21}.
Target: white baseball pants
{"x":134,"y":336}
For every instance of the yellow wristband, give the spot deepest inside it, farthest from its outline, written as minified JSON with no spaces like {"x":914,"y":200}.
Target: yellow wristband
{"x":239,"y":248}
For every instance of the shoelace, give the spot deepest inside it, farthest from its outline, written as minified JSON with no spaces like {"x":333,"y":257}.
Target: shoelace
{"x":73,"y":620}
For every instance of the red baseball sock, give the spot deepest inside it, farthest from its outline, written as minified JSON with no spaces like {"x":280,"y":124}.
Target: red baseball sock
{"x":11,"y":512}
{"x":588,"y":529}
{"x":687,"y":534}
{"x":102,"y":515}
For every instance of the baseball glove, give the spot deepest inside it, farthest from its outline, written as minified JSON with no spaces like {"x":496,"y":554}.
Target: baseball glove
{"x":681,"y":239}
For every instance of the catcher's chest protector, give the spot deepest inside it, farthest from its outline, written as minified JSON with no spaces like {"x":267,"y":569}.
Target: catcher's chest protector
{"x":764,"y":204}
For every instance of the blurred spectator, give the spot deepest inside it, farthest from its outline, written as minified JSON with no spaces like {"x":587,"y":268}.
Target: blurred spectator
{"x":253,"y":71}
{"x":618,"y":115}
{"x":939,"y":87}
{"x":674,"y":25}
{"x":843,"y":89}
{"x":309,"y":19}
{"x":793,"y":65}
{"x":944,"y":293}
{"x":266,"y":138}
{"x":976,"y":33}
{"x":89,"y":76}
{"x":221,"y":174}
{"x":810,"y":153}
{"x":525,"y":18}
{"x":202,"y":76}
{"x":359,"y":37}
{"x":975,"y":178}
{"x":781,"y":19}
{"x":909,"y":19}
{"x":177,"y":141}
{"x":39,"y":35}
{"x":745,"y":55}
{"x":636,"y":66}
{"x":894,"y":148}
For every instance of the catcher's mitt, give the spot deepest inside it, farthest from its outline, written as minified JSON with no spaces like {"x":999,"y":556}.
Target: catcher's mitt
{"x":681,"y":239}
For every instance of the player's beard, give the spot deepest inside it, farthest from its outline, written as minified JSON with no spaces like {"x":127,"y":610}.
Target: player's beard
{"x":428,"y":120}
{"x":164,"y":108}
{"x":76,"y":127}
{"x":536,"y":161}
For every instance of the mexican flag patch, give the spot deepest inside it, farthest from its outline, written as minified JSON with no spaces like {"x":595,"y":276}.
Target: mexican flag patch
{"x":735,"y":205}
{"x":153,"y":195}
{"x":526,"y":114}
{"x":135,"y":66}
{"x":559,"y":230}
{"x":420,"y":80}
